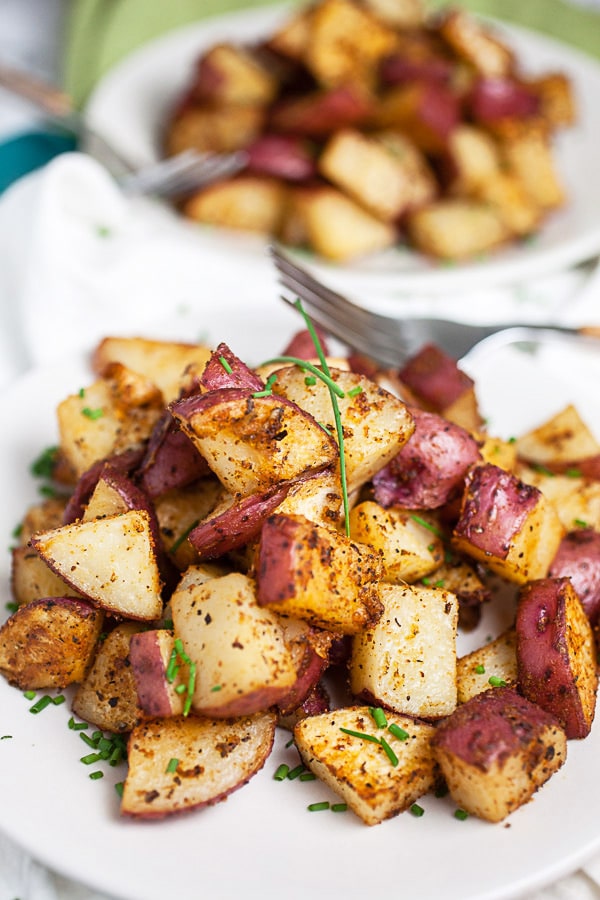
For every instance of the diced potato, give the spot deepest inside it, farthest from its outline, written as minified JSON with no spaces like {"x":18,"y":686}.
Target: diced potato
{"x":427,"y":111}
{"x":231,"y":74}
{"x":456,"y":228}
{"x":107,"y":696}
{"x":376,"y":424}
{"x":507,"y":524}
{"x":112,"y":561}
{"x":214,"y":129}
{"x":214,"y":758}
{"x":498,"y":452}
{"x":162,"y":362}
{"x":31,"y":579}
{"x":161,"y":688}
{"x":475,"y":158}
{"x":178,"y":511}
{"x":558,"y":103}
{"x":400,"y":14}
{"x":407,"y":660}
{"x":496,"y":750}
{"x":246,"y":202}
{"x":496,"y":660}
{"x":561,"y":441}
{"x":476,"y":43}
{"x":359,"y":770}
{"x":506,"y":194}
{"x":529,"y":157}
{"x":312,"y":573}
{"x":575,"y":499}
{"x":242,"y":662}
{"x":41,"y":517}
{"x":334,"y":225}
{"x":49,"y":643}
{"x":410,"y":551}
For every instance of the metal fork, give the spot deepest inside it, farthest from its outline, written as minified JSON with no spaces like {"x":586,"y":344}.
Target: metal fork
{"x":391,"y":341}
{"x":173,"y":177}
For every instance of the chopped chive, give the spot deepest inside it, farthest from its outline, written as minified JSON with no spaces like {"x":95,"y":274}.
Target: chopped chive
{"x":389,"y":752}
{"x":43,"y":466}
{"x":12,"y":607}
{"x":322,"y":375}
{"x":180,"y":689}
{"x":417,"y":810}
{"x":580,"y":523}
{"x":496,"y":681}
{"x":310,"y":381}
{"x":361,"y":734}
{"x":480,"y":670}
{"x":430,"y":527}
{"x":461,"y":814}
{"x":190,"y":688}
{"x":378,"y":715}
{"x":339,"y":807}
{"x":182,"y":537}
{"x":355,"y":391}
{"x":308,"y":776}
{"x":573,"y":473}
{"x":281,"y":773}
{"x":90,"y":758}
{"x":116,"y":756}
{"x":172,"y":666}
{"x":90,"y":741}
{"x":317,"y":807}
{"x":216,"y":687}
{"x":296,"y":772}
{"x":172,"y":765}
{"x":41,"y":704}
{"x":225,"y":365}
{"x":96,"y":775}
{"x":119,"y":788}
{"x":92,"y":414}
{"x":29,"y":695}
{"x":398,"y":732}
{"x":59,"y":699}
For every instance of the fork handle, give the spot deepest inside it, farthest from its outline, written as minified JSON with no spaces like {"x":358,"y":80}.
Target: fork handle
{"x":46,"y":97}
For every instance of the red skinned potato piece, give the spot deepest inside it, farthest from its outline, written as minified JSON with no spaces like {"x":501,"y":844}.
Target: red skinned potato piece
{"x":205,"y":773}
{"x":322,"y":112}
{"x":150,"y":653}
{"x":556,"y":654}
{"x":428,"y":111}
{"x":435,"y":378}
{"x":49,"y":643}
{"x":312,"y":573}
{"x":171,"y":460}
{"x":234,"y":523}
{"x":282,"y":156}
{"x":302,"y":345}
{"x":125,"y":462}
{"x":430,"y":468}
{"x":254,"y":442}
{"x":496,"y":750}
{"x":225,"y":370}
{"x":310,"y":648}
{"x":492,"y":99}
{"x":399,"y":68}
{"x":578,"y":558}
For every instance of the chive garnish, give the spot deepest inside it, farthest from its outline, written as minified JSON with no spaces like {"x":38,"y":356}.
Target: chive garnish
{"x":317,"y":807}
{"x":96,"y":775}
{"x":296,"y":772}
{"x":119,"y":788}
{"x":310,"y":381}
{"x":389,"y":752}
{"x":461,"y":814}
{"x":480,"y":670}
{"x":225,"y":365}
{"x":378,"y":715}
{"x":495,"y":681}
{"x":90,"y":758}
{"x":41,"y":704}
{"x":398,"y":732}
{"x":281,"y":772}
{"x":361,"y":734}
{"x":182,"y":537}
{"x":268,"y":388}
{"x":355,"y":391}
{"x":339,"y":807}
{"x":580,"y":523}
{"x":12,"y":607}
{"x":308,"y":776}
{"x":430,"y":527}
{"x":29,"y":695}
{"x":92,"y":414}
{"x":43,"y":466}
{"x":417,"y":810}
{"x":172,"y":765}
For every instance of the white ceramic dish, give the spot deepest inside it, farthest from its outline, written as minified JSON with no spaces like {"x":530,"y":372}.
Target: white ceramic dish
{"x":262,"y":842}
{"x":131,"y":103}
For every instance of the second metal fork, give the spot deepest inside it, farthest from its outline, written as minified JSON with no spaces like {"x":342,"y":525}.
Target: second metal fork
{"x":391,"y":341}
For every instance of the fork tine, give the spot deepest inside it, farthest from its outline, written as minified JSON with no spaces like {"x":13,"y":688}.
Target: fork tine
{"x":182,"y":174}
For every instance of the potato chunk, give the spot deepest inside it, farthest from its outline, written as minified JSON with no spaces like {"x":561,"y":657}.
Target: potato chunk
{"x":496,"y":750}
{"x":359,"y":770}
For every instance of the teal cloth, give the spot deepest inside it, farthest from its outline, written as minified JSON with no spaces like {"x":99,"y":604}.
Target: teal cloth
{"x":27,"y":152}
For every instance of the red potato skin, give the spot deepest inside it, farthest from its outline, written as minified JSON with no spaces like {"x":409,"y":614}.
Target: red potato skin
{"x":494,"y":508}
{"x":281,"y":156}
{"x":545,"y":672}
{"x":400,"y":69}
{"x":493,"y":99}
{"x":149,"y":673}
{"x":237,"y":525}
{"x":254,"y":701}
{"x":225,"y":370}
{"x":171,"y":460}
{"x":578,"y":558}
{"x":126,"y":462}
{"x":321,"y":113}
{"x":435,"y":378}
{"x":302,"y":345}
{"x":491,"y":726}
{"x":430,"y":468}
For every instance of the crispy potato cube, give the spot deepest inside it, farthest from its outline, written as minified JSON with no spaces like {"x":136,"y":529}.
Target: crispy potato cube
{"x":496,"y":660}
{"x":159,"y":691}
{"x":49,"y":643}
{"x":111,"y":561}
{"x":424,"y":110}
{"x":507,"y":196}
{"x":178,"y":511}
{"x":561,"y":442}
{"x":407,"y":660}
{"x":507,"y":525}
{"x":214,"y":758}
{"x":246,"y":202}
{"x":575,"y":499}
{"x":31,"y":579}
{"x":557,"y":100}
{"x":214,"y":129}
{"x":496,"y":750}
{"x":292,"y":38}
{"x":399,"y":14}
{"x":346,"y":43}
{"x":162,"y":362}
{"x":475,"y":158}
{"x":376,"y":424}
{"x":334,"y":225}
{"x":107,"y":696}
{"x":41,"y":517}
{"x":556,"y":653}
{"x":476,"y":44}
{"x":243,"y":664}
{"x":113,"y":414}
{"x":497,"y":451}
{"x":456,"y":228}
{"x":231,"y":74}
{"x":529,"y":157}
{"x":312,"y":573}
{"x":318,"y":499}
{"x":410,"y":551}
{"x":359,"y":770}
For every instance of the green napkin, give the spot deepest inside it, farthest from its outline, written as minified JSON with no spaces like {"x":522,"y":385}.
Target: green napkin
{"x":101,"y":32}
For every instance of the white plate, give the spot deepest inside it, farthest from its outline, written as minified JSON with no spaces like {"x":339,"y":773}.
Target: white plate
{"x":131,"y":103}
{"x":263,"y":842}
